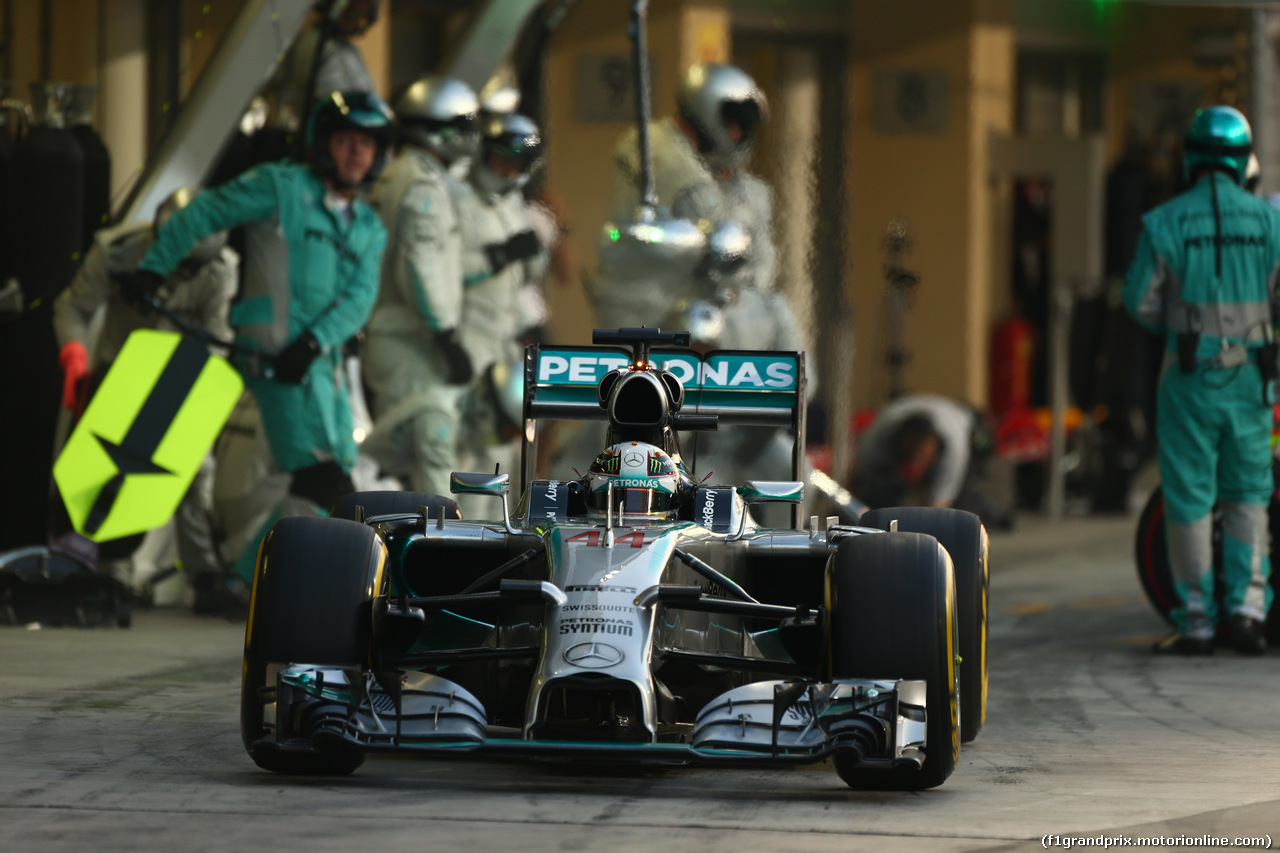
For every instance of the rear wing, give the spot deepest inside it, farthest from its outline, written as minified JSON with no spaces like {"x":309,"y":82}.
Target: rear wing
{"x":739,"y":387}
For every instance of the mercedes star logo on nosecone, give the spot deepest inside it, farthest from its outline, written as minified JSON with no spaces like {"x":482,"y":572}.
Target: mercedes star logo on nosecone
{"x":593,"y":655}
{"x":634,"y":459}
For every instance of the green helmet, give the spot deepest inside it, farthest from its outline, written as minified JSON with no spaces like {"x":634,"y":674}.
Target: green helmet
{"x":360,"y":111}
{"x":1219,"y":137}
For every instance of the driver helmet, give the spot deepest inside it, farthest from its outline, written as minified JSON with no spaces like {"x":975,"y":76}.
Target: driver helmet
{"x":645,"y":481}
{"x":205,"y":249}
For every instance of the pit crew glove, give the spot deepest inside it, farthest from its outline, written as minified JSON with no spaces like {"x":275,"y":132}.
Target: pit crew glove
{"x":294,"y":360}
{"x":518,"y":247}
{"x":353,"y":347}
{"x":139,"y":286}
{"x":75,"y":364}
{"x":457,"y":363}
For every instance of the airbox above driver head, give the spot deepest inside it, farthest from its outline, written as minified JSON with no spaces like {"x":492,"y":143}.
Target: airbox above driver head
{"x":638,"y":400}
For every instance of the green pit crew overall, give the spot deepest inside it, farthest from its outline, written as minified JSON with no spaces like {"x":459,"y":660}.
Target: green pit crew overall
{"x":1204,"y":275}
{"x":309,"y":266}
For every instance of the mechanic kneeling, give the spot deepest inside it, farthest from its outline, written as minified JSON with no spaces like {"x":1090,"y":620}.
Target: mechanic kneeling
{"x":1205,"y":277}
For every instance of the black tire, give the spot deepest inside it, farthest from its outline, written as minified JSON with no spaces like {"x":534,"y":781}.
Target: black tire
{"x":390,"y":503}
{"x":312,"y":588}
{"x":891,"y":613}
{"x":965,"y":539}
{"x":1151,"y":555}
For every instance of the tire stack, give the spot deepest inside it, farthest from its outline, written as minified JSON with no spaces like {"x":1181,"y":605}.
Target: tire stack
{"x":97,"y":163}
{"x":7,"y":142}
{"x":46,"y":228}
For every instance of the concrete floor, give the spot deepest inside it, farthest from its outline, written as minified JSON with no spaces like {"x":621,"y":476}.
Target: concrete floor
{"x":128,"y":740}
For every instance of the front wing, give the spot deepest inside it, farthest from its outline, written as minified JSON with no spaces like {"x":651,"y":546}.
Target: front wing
{"x":880,"y":722}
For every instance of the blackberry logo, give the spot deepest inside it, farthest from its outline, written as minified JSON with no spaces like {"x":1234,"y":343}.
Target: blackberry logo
{"x":709,"y":509}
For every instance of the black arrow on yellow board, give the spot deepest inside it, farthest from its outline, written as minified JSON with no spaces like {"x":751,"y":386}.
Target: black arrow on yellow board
{"x":133,"y":454}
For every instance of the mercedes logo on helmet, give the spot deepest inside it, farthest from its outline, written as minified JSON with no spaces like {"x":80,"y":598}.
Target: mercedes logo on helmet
{"x":593,"y":655}
{"x":634,"y":459}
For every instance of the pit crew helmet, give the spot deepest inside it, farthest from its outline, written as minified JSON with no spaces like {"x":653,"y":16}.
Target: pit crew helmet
{"x":515,"y":138}
{"x":711,"y":98}
{"x":204,"y":250}
{"x":349,"y":17}
{"x":646,"y":483}
{"x":497,"y":98}
{"x":705,"y":321}
{"x":494,"y":410}
{"x":1253,"y":175}
{"x":440,"y":114}
{"x":1219,"y":137}
{"x":354,"y":110}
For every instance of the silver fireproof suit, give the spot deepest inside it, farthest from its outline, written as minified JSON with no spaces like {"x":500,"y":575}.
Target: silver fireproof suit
{"x":341,"y":69}
{"x":754,"y":315}
{"x":415,"y":410}
{"x":493,"y":315}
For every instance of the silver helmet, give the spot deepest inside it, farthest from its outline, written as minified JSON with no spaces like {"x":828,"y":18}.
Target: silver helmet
{"x":204,"y":250}
{"x":493,"y":413}
{"x":712,"y":99}
{"x":728,"y":249}
{"x":496,"y":97}
{"x":349,"y":17}
{"x":705,"y":321}
{"x":440,"y":114}
{"x":514,"y":140}
{"x":1253,"y":175}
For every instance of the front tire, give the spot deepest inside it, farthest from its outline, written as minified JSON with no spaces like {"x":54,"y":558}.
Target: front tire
{"x":312,"y":589}
{"x":891,"y":611}
{"x":965,"y":539}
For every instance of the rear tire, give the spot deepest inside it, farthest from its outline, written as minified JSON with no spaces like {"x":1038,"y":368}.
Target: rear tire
{"x":390,"y":503}
{"x":312,"y":589}
{"x":965,"y":539}
{"x":891,"y":612}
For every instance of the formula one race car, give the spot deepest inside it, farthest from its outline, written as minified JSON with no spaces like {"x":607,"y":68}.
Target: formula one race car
{"x":630,"y":615}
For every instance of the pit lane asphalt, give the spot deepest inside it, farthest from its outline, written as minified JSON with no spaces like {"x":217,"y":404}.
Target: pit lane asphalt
{"x":127,"y":740}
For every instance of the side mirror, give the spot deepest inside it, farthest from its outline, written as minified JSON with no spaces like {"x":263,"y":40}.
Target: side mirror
{"x":492,"y":485}
{"x":495,"y":485}
{"x":772,"y":491}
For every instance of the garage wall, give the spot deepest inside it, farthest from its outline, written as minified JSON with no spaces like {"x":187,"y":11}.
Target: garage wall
{"x":918,"y":155}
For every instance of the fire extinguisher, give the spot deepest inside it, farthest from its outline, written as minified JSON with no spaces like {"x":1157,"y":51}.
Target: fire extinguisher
{"x":1012,"y":351}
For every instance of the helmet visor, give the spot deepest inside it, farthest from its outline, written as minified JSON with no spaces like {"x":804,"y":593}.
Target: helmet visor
{"x":643,"y":501}
{"x":464,"y":125}
{"x":745,"y":116}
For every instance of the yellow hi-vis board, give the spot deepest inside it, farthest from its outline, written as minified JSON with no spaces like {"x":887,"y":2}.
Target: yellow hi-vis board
{"x":136,"y":450}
